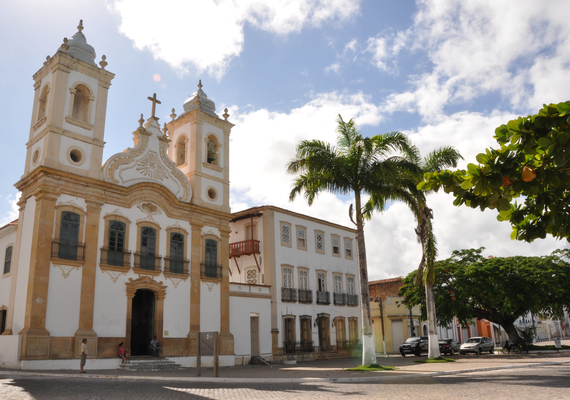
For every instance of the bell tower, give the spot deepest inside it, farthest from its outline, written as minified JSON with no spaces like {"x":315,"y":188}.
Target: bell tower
{"x":200,"y":149}
{"x":70,"y":105}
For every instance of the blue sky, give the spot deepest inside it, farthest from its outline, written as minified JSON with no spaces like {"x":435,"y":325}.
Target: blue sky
{"x":445,"y":72}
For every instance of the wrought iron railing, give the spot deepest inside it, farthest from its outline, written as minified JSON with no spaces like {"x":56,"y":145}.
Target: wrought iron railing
{"x":116,"y":258}
{"x":176,"y":265}
{"x":65,"y":250}
{"x":323,"y":298}
{"x":210,"y":270}
{"x":148,"y":262}
{"x":289,"y":294}
{"x":339,"y":299}
{"x":305,"y":296}
{"x":351,"y":299}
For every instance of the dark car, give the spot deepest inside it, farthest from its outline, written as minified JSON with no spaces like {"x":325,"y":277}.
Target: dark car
{"x":414,"y":345}
{"x":477,"y":345}
{"x":449,"y":346}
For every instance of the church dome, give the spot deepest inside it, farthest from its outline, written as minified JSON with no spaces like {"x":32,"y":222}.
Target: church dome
{"x":79,"y":48}
{"x":205,"y":105}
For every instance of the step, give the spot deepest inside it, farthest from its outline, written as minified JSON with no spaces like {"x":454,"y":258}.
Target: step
{"x":150,"y":364}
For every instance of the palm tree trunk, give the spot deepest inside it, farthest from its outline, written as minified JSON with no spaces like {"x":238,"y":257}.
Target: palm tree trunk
{"x":368,"y":342}
{"x":433,"y":349}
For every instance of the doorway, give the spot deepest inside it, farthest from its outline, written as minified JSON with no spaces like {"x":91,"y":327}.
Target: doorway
{"x":324,"y":332}
{"x":289,"y":334}
{"x":142,"y":330}
{"x":397,"y":334}
{"x":254,"y":328}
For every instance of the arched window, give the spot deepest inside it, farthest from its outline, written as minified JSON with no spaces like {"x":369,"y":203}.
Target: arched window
{"x":176,"y":253}
{"x":81,"y":103}
{"x":115,"y":254}
{"x":211,"y":259}
{"x":425,"y":329}
{"x":68,"y":235}
{"x":212,"y":156}
{"x":8,"y":260}
{"x":181,"y":150}
{"x":42,"y":103}
{"x":148,"y":248}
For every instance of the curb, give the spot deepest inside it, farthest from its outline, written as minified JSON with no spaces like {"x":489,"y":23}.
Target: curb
{"x":280,"y":380}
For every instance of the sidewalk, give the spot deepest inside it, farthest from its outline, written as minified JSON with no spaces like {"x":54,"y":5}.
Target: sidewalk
{"x":323,"y":370}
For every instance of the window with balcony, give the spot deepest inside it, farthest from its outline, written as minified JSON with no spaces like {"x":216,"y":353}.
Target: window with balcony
{"x":287,"y":291}
{"x":339,"y":297}
{"x":68,"y":236}
{"x":177,"y":260}
{"x":305,"y":295}
{"x":210,"y":266}
{"x":323,"y":296}
{"x":351,"y":296}
{"x":147,"y":248}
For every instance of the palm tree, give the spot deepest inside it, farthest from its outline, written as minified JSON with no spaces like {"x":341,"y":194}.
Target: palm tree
{"x":415,"y":199}
{"x":357,"y":165}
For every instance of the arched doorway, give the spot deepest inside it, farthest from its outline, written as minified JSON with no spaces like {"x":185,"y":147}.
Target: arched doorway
{"x":142,"y":328}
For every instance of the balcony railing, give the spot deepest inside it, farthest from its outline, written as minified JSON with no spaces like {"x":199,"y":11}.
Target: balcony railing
{"x":339,"y":299}
{"x":289,"y":294}
{"x":304,"y":346}
{"x":305,"y":296}
{"x":210,"y":270}
{"x":176,"y":265}
{"x":67,"y":251}
{"x":148,"y":262}
{"x":246,"y":247}
{"x":116,"y":258}
{"x":351,"y":299}
{"x":323,"y":298}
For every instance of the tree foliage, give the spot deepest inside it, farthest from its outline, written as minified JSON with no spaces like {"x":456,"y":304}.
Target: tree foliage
{"x":499,"y":289}
{"x":532,"y":165}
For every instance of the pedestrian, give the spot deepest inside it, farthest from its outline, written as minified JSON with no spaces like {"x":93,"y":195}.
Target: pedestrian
{"x":122,"y":353}
{"x":83,"y":355}
{"x":155,"y":347}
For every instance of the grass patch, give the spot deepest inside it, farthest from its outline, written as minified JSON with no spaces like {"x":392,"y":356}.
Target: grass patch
{"x":550,"y":347}
{"x":440,"y":359}
{"x":371,"y":367}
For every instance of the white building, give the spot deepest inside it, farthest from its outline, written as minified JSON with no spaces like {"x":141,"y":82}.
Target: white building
{"x":311,"y":264}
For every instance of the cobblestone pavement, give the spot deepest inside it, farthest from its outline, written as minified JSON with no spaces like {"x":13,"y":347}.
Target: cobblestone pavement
{"x":548,"y":382}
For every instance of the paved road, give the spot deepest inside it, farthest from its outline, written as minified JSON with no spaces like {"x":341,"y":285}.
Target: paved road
{"x":548,"y":382}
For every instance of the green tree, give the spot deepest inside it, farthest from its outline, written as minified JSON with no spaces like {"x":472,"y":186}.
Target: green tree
{"x":499,"y":289}
{"x":356,"y":166}
{"x":532,"y":164}
{"x":415,"y":199}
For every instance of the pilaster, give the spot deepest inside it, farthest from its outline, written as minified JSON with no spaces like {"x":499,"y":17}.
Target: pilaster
{"x":195,"y":283}
{"x":226,"y":338}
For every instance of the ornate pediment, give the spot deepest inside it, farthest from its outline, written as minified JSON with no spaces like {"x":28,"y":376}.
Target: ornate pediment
{"x":148,"y":161}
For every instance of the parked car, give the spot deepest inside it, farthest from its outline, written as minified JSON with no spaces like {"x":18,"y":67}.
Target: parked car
{"x":414,"y":345}
{"x":449,"y":346}
{"x":477,"y":345}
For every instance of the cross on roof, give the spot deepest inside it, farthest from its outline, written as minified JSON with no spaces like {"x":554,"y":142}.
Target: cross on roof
{"x":154,"y":103}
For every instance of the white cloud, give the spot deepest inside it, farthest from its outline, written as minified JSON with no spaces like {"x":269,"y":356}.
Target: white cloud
{"x":377,"y":46}
{"x":208,"y":34}
{"x":521,"y":52}
{"x":13,"y":213}
{"x":351,"y":46}
{"x":333,"y":68}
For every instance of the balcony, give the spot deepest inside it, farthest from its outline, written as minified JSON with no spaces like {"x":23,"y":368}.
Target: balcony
{"x":323,"y":298}
{"x":244,"y":248}
{"x":289,"y":295}
{"x":305,"y":296}
{"x":210,"y":271}
{"x":67,"y":251}
{"x":147,"y":262}
{"x":115,"y":258}
{"x":339,"y":299}
{"x":176,"y":266}
{"x":352,"y":300}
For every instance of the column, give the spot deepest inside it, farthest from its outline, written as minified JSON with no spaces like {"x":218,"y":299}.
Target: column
{"x":226,"y":337}
{"x":89,"y":270}
{"x":195,"y":258}
{"x":35,"y":337}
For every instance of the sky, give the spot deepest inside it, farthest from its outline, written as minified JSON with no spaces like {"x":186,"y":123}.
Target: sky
{"x":444,"y":72}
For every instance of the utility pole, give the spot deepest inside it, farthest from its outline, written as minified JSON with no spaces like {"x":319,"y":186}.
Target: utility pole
{"x":413,"y":332}
{"x":379,"y":301}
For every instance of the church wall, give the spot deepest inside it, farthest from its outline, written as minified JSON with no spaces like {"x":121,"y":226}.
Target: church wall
{"x":110,"y":309}
{"x":24,"y":266}
{"x":63,"y":300}
{"x":218,"y":186}
{"x":74,"y":78}
{"x":40,"y":146}
{"x":210,"y":306}
{"x":66,"y":144}
{"x":241,"y":309}
{"x":177,"y":310}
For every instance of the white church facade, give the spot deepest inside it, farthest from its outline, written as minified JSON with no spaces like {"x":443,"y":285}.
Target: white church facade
{"x":139,"y":245}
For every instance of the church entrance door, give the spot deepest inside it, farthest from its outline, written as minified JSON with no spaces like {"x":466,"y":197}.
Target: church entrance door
{"x":142,"y":329}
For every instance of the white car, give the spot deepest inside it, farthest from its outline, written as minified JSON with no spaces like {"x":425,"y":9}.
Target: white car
{"x":477,"y":345}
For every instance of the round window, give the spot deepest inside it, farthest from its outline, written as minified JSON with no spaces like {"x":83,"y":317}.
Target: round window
{"x":36,"y":156}
{"x":75,"y":156}
{"x":212,"y":194}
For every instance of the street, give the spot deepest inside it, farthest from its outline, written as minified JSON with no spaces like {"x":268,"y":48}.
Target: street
{"x":550,"y":382}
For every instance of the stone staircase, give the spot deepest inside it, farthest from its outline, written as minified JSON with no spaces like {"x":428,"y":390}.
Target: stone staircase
{"x":149,"y":364}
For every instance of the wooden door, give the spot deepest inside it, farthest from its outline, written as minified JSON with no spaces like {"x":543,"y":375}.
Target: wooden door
{"x":254,"y":327}
{"x":324,"y":333}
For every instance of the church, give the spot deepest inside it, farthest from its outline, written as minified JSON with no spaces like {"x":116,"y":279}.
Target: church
{"x":139,"y":245}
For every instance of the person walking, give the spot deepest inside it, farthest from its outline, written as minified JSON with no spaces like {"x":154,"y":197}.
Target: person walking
{"x":122,"y":353}
{"x":83,"y":355}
